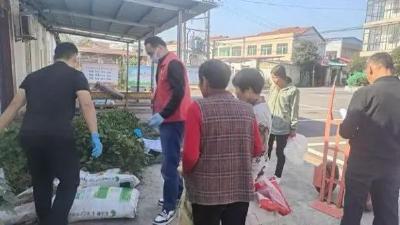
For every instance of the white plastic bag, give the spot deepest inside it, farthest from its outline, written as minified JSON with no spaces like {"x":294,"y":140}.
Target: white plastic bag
{"x":96,"y":203}
{"x":26,"y":196}
{"x":296,"y":148}
{"x":21,"y":214}
{"x":108,"y":178}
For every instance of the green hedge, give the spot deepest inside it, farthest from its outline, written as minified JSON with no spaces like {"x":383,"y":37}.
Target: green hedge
{"x":357,"y":79}
{"x":121,"y":148}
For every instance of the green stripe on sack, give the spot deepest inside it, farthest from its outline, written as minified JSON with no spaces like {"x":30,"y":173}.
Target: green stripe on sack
{"x":126,"y":194}
{"x":102,"y":193}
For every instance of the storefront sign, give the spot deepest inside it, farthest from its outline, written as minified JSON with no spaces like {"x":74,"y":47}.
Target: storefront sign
{"x":104,"y":73}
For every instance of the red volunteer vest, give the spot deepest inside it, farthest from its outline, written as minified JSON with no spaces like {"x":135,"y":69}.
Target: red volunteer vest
{"x":163,"y":92}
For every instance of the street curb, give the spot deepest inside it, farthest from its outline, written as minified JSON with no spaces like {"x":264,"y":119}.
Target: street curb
{"x":351,"y":89}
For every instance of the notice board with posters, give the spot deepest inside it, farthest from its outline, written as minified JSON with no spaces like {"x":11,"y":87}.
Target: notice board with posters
{"x":104,"y":73}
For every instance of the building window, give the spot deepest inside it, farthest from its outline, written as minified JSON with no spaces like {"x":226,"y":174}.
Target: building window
{"x":382,"y":9}
{"x":215,"y":51}
{"x":382,"y":38}
{"x":225,"y":51}
{"x":237,"y":51}
{"x":331,"y":54}
{"x":252,"y":50}
{"x":266,"y":49}
{"x":282,"y":49}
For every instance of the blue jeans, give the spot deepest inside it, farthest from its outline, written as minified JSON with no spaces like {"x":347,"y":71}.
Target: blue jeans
{"x":171,"y":135}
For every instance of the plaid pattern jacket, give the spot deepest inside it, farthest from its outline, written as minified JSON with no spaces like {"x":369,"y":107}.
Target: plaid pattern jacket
{"x":223,"y":172}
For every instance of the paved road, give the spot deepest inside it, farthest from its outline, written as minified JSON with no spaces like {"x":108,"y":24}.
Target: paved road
{"x":313,"y":113}
{"x":297,"y":181}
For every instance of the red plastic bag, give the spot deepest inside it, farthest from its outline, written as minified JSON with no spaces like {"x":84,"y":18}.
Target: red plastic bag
{"x":270,"y":196}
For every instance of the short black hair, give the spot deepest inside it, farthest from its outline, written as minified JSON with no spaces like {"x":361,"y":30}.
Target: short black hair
{"x":279,"y":71}
{"x":65,"y":50}
{"x":155,"y":41}
{"x":249,"y":79}
{"x":216,"y":72}
{"x":382,"y":58}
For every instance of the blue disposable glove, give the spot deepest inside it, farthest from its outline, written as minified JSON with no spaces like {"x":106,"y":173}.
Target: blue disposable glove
{"x":138,"y":133}
{"x":97,"y":146}
{"x":156,"y":120}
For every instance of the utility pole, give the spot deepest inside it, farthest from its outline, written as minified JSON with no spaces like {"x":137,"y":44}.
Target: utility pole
{"x":185,"y":43}
{"x":208,"y":22}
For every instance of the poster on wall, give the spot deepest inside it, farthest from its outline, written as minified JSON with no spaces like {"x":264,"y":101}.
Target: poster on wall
{"x":104,"y":73}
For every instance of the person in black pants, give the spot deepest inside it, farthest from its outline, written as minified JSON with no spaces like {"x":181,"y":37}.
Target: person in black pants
{"x":281,"y":142}
{"x":372,"y":125}
{"x":47,"y":134}
{"x":284,"y":104}
{"x":231,"y":214}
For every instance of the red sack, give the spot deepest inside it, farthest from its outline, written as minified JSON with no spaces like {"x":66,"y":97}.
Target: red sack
{"x":270,"y":196}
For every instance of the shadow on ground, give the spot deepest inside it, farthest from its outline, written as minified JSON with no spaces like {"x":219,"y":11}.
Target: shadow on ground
{"x":313,"y":128}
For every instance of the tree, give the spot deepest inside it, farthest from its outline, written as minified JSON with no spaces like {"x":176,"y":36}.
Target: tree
{"x":396,"y":59}
{"x":133,"y":60}
{"x":198,"y":45}
{"x":306,"y":56}
{"x":357,"y":64}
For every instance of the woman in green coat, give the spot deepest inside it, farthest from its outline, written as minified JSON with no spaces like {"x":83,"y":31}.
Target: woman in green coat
{"x":284,"y":104}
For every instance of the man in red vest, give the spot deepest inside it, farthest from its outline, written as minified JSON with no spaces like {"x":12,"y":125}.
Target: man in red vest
{"x":170,"y":103}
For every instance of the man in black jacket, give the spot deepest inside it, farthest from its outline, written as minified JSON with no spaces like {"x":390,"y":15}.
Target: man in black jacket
{"x":373,"y":126}
{"x":46,"y":134}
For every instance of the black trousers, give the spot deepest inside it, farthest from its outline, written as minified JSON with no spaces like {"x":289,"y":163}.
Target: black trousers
{"x":382,"y":181}
{"x":231,"y":214}
{"x":51,"y":157}
{"x":281,"y":142}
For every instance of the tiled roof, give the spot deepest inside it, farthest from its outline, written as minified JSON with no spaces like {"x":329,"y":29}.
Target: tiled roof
{"x":286,"y":30}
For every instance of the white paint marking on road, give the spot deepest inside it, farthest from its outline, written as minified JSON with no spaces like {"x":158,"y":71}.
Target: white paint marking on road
{"x":322,"y":143}
{"x":316,"y":120}
{"x":320,"y":154}
{"x":317,"y":107}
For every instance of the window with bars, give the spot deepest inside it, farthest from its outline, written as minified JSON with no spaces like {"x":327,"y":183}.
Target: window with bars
{"x":382,"y":9}
{"x":237,"y":51}
{"x":382,"y":38}
{"x":215,"y":52}
{"x":282,"y":49}
{"x":225,"y":51}
{"x":252,"y":50}
{"x":266,"y":49}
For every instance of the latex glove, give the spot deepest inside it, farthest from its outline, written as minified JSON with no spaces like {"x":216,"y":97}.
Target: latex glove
{"x":97,"y":146}
{"x":343,"y":113}
{"x":138,"y":133}
{"x":156,"y":120}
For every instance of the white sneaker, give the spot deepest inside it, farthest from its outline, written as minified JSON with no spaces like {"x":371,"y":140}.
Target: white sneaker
{"x":164,"y":218}
{"x":277,"y":179}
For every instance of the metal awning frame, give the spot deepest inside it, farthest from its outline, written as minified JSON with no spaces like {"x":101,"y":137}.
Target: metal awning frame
{"x":45,"y":15}
{"x":181,"y":16}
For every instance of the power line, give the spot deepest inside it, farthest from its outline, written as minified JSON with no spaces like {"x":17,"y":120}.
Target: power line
{"x":300,"y":6}
{"x":252,"y":18}
{"x":249,"y":18}
{"x":259,"y":20}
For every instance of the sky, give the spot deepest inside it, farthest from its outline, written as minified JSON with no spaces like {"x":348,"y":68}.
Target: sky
{"x":246,"y":17}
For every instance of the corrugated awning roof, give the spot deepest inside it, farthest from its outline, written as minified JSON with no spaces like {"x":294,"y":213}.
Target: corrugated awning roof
{"x":121,"y":20}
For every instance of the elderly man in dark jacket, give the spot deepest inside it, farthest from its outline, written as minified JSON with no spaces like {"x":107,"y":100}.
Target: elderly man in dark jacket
{"x":373,"y":126}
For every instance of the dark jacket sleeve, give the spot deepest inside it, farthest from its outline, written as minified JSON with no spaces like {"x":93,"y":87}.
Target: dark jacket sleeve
{"x":352,"y":122}
{"x":176,"y":81}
